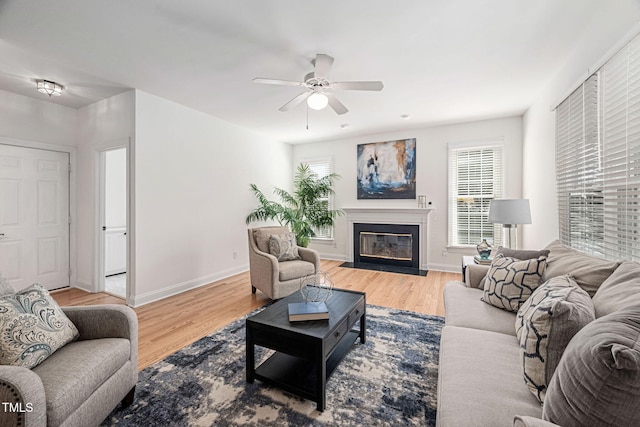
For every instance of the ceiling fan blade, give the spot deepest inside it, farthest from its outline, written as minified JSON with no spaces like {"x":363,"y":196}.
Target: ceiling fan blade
{"x":276,"y":82}
{"x":357,"y":85}
{"x":322,"y":66}
{"x":337,"y":106}
{"x":295,"y":101}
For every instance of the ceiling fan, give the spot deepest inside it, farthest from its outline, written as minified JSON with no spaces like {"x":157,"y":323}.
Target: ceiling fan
{"x":318,"y":93}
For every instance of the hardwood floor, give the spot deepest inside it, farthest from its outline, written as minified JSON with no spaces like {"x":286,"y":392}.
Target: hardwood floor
{"x":170,"y":324}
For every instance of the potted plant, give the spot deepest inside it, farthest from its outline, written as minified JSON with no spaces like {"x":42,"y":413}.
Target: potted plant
{"x":307,"y":208}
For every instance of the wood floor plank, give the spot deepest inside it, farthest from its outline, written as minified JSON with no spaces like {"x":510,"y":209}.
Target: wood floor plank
{"x":172,"y":323}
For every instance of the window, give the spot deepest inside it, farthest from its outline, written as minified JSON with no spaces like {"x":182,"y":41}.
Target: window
{"x":598,"y":160}
{"x":475,"y":178}
{"x":322,"y":168}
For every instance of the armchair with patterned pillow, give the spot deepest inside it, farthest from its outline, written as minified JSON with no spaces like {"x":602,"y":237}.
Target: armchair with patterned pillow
{"x":68,"y":366}
{"x":276,"y":263}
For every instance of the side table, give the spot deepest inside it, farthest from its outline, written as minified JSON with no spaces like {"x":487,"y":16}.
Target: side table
{"x":466,"y":260}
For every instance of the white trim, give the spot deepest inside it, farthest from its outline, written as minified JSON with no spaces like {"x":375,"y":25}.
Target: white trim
{"x":98,"y":217}
{"x":188,"y":285}
{"x":73,"y":161}
{"x":635,"y":30}
{"x":497,"y":141}
{"x":445,"y":267}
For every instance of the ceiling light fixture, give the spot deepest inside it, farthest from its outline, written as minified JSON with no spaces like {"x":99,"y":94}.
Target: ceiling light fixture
{"x":317,"y":101}
{"x":49,"y":88}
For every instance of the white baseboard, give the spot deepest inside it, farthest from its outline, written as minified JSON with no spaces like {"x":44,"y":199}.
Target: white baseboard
{"x":333,"y":257}
{"x":85,"y":286}
{"x":178,"y":288}
{"x":445,"y":267}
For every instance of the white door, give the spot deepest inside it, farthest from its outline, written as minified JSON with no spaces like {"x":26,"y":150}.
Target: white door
{"x":34,"y":217}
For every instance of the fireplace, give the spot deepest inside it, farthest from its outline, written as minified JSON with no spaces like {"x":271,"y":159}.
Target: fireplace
{"x":393,"y":239}
{"x":392,"y":247}
{"x":387,"y":244}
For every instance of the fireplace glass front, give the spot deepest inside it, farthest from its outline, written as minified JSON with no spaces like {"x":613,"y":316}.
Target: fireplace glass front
{"x":392,"y":246}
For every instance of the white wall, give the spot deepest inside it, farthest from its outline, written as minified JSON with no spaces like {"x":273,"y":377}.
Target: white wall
{"x":36,"y":120}
{"x":116,"y":188}
{"x":431,"y":178}
{"x":105,"y":124}
{"x":192,"y":195}
{"x":539,"y":182}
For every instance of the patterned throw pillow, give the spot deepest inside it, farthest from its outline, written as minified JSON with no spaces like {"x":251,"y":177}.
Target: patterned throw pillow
{"x":32,"y":327}
{"x":545,"y":324}
{"x":509,"y":282}
{"x":283,"y":246}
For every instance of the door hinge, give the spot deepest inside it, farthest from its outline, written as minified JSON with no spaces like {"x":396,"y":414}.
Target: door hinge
{"x":69,"y":167}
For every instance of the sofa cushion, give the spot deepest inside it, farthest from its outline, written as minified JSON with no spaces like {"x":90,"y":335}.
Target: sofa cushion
{"x":283,"y":246}
{"x":32,"y":327}
{"x":588,"y":271}
{"x":620,"y":290}
{"x":480,"y":380}
{"x":521,"y":254}
{"x":464,"y":307}
{"x":510,"y":282}
{"x":75,"y":371}
{"x":295,"y":269}
{"x":545,"y":324}
{"x":597,"y":382}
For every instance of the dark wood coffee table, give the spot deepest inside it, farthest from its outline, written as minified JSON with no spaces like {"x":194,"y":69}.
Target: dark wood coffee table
{"x":306,"y":353}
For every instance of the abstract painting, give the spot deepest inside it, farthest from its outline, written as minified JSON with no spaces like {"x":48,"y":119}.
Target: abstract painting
{"x":387,"y":170}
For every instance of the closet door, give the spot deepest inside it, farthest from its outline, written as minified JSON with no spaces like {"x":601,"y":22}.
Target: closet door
{"x":34,"y":217}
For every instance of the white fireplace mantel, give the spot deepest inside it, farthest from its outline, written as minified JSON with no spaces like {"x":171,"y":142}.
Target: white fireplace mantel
{"x":409,"y":216}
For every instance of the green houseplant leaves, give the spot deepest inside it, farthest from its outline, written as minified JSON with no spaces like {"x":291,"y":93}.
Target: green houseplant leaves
{"x":304,"y":209}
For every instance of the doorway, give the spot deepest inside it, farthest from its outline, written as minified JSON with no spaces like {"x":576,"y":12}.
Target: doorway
{"x":114,"y":220}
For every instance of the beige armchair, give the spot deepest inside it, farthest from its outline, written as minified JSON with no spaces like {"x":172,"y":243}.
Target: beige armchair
{"x":274,"y":278}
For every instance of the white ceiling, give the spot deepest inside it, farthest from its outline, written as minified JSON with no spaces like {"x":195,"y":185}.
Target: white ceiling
{"x":441,"y":61}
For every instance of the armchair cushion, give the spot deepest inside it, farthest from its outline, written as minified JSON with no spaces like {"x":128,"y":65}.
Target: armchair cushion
{"x":295,"y":269}
{"x":283,"y":246}
{"x":77,"y":370}
{"x":262,"y":234}
{"x":32,"y":327}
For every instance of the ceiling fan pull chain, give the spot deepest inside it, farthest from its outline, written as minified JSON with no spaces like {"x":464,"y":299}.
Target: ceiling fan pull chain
{"x":307,"y":117}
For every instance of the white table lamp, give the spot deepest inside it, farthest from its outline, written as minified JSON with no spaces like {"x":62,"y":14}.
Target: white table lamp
{"x":510,"y":213}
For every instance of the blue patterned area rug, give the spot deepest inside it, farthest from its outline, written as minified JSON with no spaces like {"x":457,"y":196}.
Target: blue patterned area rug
{"x":390,"y":380}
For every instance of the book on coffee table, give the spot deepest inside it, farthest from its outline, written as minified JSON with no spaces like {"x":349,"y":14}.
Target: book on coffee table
{"x":300,"y":311}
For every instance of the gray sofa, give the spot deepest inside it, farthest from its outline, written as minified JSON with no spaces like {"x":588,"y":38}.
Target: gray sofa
{"x":82,"y":382}
{"x":481,"y":368}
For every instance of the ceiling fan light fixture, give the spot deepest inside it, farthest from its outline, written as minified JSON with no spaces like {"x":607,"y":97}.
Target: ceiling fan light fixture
{"x":49,"y":88}
{"x":317,"y":101}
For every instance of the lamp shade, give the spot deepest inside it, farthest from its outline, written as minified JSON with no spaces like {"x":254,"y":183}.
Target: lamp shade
{"x":317,"y":101}
{"x":509,"y":211}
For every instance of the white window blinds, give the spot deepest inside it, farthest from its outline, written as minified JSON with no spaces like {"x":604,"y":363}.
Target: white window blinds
{"x":475,"y":178}
{"x":598,"y":160}
{"x":322,"y":168}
